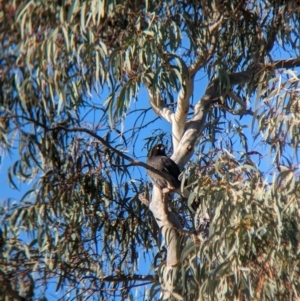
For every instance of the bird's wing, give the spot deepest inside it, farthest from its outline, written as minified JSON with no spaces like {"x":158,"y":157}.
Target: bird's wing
{"x":170,"y":167}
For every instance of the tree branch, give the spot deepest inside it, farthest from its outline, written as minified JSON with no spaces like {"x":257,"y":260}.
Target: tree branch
{"x":206,"y":55}
{"x":106,"y":144}
{"x":183,"y":104}
{"x":188,"y":88}
{"x":103,"y":142}
{"x":239,"y":112}
{"x":166,"y":220}
{"x":194,"y":127}
{"x":287,"y":64}
{"x":159,"y":106}
{"x":237,"y":99}
{"x":130,"y":277}
{"x":169,"y":224}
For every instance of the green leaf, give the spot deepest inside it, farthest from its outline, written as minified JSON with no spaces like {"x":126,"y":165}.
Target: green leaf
{"x":11,"y":181}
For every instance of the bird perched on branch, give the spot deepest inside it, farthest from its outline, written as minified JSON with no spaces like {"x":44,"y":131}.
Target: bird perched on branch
{"x":158,"y":159}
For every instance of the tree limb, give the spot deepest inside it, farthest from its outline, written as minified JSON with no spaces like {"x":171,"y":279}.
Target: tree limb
{"x":169,"y":224}
{"x":237,"y":99}
{"x":130,"y":277}
{"x":185,"y":149}
{"x":188,"y":89}
{"x":107,"y":145}
{"x":206,"y":55}
{"x":183,"y":104}
{"x":287,"y":64}
{"x":195,"y":126}
{"x":159,"y":106}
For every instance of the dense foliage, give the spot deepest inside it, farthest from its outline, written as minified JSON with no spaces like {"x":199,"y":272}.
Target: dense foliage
{"x":74,"y":76}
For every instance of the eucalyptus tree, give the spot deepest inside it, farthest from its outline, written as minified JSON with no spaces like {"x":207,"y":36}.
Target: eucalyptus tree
{"x":74,"y":75}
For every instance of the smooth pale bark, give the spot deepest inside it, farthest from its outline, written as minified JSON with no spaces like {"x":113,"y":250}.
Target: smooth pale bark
{"x":186,"y":134}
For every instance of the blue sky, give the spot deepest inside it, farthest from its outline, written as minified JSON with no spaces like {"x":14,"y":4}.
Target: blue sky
{"x":6,"y":192}
{"x":140,"y":152}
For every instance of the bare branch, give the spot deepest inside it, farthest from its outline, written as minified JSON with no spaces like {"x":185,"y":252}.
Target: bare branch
{"x":132,"y":277}
{"x":286,"y":64}
{"x":159,"y":106}
{"x":192,"y":134}
{"x":237,"y":99}
{"x":183,"y":103}
{"x":240,"y":112}
{"x":216,"y":26}
{"x":213,"y":92}
{"x":194,"y":127}
{"x":106,"y":144}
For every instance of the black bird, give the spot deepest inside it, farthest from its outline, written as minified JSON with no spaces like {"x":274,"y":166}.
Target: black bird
{"x":157,"y":158}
